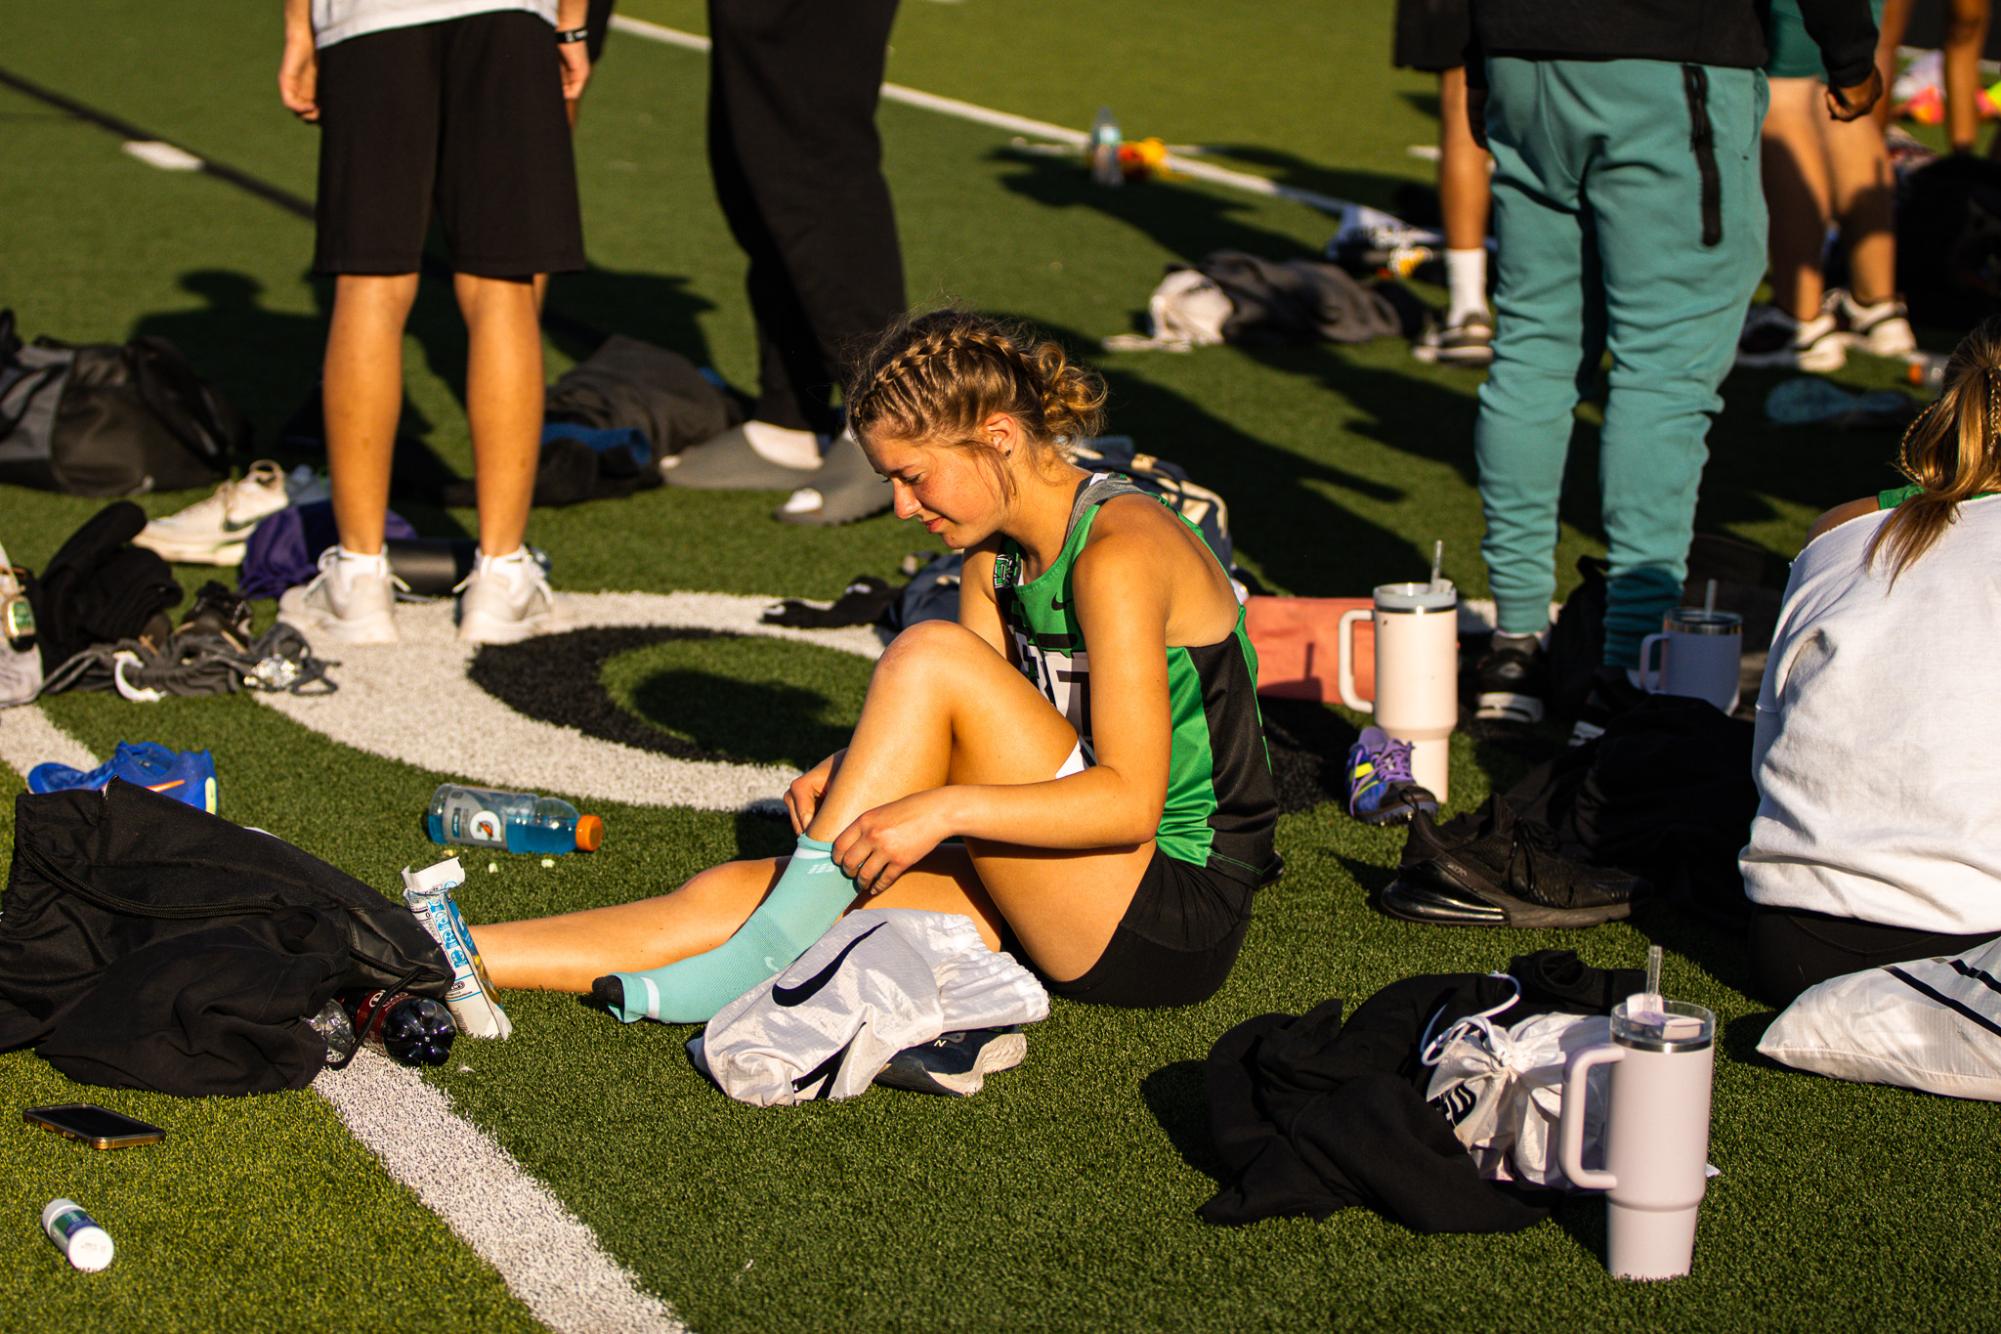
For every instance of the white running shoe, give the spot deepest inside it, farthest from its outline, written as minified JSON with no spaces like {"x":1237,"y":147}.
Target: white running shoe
{"x":1882,"y":330}
{"x":216,"y":530}
{"x":505,"y":599}
{"x":350,"y":600}
{"x":1772,"y":338}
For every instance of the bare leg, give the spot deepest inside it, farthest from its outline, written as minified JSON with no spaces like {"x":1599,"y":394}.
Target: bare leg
{"x":1859,"y":165}
{"x":1889,"y":36}
{"x":1965,"y":33}
{"x":362,"y":391}
{"x":942,"y":706}
{"x":503,"y":401}
{"x":569,"y":952}
{"x":1465,"y":179}
{"x":1796,"y":192}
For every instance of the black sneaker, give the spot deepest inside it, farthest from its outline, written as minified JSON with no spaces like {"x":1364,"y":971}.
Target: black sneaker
{"x":1511,"y":681}
{"x":1774,"y":339}
{"x":955,"y":1064}
{"x":1516,"y":876}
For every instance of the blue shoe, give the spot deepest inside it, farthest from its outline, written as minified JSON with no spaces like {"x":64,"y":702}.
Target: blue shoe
{"x":1381,"y":789}
{"x":955,"y":1064}
{"x":185,"y":776}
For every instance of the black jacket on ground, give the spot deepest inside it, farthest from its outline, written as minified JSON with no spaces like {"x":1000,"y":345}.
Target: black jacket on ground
{"x":148,"y":944}
{"x":1311,"y":1116}
{"x":1730,"y":33}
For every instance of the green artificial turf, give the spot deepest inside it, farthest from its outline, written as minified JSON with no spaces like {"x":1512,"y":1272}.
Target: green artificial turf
{"x":1063,"y":1195}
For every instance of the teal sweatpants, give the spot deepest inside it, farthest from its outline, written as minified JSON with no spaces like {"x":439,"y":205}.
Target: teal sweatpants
{"x":1609,"y":240}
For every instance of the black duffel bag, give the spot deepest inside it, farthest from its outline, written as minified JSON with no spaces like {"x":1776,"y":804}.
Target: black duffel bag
{"x":110,"y":419}
{"x":148,"y":944}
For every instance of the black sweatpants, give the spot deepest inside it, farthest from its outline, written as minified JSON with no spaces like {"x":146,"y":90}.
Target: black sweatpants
{"x":798,"y":170}
{"x":1792,"y":949}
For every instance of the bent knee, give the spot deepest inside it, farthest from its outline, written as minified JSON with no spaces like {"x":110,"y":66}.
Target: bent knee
{"x":928,"y":645}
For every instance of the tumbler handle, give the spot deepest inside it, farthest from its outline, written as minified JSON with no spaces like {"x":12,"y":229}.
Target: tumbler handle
{"x":1570,"y":1124}
{"x":1651,"y":679}
{"x":1344,"y":645}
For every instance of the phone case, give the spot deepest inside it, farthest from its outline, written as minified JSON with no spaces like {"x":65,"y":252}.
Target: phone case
{"x":54,"y":1119}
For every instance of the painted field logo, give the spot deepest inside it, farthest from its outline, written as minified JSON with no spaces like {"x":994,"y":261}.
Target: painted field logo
{"x":533,"y":717}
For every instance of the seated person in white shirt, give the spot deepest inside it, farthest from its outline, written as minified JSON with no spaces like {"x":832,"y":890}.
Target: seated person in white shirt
{"x":1878,"y":750}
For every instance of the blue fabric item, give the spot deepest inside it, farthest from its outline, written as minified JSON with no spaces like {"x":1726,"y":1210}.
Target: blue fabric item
{"x":285,"y":548}
{"x":187,"y":777}
{"x":627,"y":440}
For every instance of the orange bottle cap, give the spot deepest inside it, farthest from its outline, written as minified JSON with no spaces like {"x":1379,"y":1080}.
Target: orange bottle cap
{"x":590,"y":833}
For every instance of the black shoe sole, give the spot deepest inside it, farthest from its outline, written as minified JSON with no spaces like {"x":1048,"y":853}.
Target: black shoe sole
{"x":1415,"y":900}
{"x":1443,"y":892}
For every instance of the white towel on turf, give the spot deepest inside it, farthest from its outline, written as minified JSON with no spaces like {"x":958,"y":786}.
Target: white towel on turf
{"x":882,"y":980}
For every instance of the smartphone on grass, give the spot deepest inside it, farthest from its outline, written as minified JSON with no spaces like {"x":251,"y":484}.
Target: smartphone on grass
{"x":99,"y":1127}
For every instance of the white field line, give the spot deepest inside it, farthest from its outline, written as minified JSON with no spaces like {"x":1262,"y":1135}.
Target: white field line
{"x":1024,"y":125}
{"x":547,"y":1257}
{"x":550,"y":1260}
{"x":28,"y":738}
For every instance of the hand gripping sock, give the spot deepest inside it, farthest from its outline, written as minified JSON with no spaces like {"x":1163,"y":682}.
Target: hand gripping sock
{"x":808,"y":899}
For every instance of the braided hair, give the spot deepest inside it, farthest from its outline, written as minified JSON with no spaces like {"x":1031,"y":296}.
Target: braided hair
{"x":936,"y":377}
{"x":1952,"y":450}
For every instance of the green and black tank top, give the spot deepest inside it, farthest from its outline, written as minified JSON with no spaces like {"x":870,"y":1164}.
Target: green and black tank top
{"x":1222,"y":805}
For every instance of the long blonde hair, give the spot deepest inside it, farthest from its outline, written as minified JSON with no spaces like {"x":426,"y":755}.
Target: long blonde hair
{"x":1952,"y":451}
{"x":936,"y":377}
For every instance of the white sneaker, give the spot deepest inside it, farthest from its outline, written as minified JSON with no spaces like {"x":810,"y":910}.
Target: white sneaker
{"x":1882,"y":330}
{"x":216,"y":530}
{"x":1773,"y":338}
{"x":350,"y":600}
{"x":505,"y":599}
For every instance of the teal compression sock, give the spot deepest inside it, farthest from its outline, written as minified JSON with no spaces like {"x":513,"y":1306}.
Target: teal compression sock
{"x":808,"y":898}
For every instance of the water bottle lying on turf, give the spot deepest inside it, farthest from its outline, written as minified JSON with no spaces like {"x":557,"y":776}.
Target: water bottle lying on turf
{"x":516,"y":821}
{"x":470,"y":996}
{"x":414,"y":1030}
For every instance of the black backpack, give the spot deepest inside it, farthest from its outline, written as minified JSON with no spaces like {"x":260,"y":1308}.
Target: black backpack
{"x":110,"y":420}
{"x":148,"y":944}
{"x":1949,"y":241}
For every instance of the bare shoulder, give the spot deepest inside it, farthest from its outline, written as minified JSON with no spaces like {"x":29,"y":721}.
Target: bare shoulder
{"x":1840,"y":514}
{"x":1138,"y":544}
{"x":1131,"y":532}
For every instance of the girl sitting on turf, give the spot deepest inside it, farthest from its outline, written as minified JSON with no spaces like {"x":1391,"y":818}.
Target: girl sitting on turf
{"x":1878,"y":750}
{"x":1116,"y":805}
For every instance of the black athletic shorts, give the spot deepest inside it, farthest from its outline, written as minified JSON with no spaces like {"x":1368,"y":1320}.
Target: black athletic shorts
{"x":463,"y":118}
{"x":1433,"y":34}
{"x":1176,"y":943}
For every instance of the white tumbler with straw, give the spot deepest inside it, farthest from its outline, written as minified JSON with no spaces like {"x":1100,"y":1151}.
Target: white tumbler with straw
{"x":1417,"y":670}
{"x":1656,"y":1132}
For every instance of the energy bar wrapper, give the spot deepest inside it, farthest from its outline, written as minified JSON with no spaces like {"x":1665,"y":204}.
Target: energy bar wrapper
{"x":475,"y":1009}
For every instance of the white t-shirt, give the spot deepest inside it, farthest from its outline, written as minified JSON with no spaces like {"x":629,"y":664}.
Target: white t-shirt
{"x":338,"y":20}
{"x":1878,"y":750}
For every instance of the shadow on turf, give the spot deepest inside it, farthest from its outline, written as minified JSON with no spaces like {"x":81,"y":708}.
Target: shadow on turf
{"x":267,"y":361}
{"x":1174,"y":1094}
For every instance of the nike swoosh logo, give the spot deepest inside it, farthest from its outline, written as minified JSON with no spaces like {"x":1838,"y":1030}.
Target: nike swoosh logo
{"x":165,"y":787}
{"x":1058,"y":604}
{"x":805,"y":991}
{"x":240,"y":525}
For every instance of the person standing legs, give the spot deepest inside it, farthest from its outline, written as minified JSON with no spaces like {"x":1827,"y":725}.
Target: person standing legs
{"x":1545,"y":262}
{"x":797,"y":164}
{"x":1682,"y":245}
{"x":1607,"y":213}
